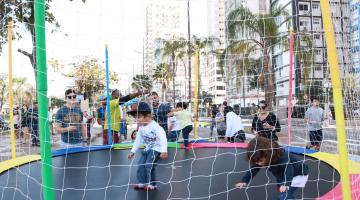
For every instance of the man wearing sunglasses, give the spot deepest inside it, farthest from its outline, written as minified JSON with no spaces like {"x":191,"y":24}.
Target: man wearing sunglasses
{"x":69,"y":123}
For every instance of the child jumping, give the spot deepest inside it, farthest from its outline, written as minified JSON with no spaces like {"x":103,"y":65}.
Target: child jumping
{"x":153,"y":137}
{"x":290,"y":173}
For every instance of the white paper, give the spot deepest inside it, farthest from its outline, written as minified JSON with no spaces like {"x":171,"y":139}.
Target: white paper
{"x":299,"y":181}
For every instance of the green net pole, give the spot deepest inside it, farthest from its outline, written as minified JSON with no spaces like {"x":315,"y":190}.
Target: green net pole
{"x":45,"y":145}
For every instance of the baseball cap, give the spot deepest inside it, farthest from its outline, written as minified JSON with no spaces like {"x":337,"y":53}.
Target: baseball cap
{"x":140,"y":107}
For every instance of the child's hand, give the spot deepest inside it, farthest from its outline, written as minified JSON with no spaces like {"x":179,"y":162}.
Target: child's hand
{"x":283,"y":188}
{"x":130,"y":155}
{"x":240,"y":185}
{"x":163,"y":155}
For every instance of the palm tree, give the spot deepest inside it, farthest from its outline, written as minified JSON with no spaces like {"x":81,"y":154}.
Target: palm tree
{"x":265,"y":35}
{"x":200,"y":44}
{"x":163,"y":74}
{"x":141,"y":82}
{"x":172,"y":49}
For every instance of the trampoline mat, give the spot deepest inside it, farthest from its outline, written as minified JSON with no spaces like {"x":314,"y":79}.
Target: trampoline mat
{"x":203,"y":173}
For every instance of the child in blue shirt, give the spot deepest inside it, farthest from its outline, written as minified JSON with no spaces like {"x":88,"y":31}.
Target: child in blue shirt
{"x":153,"y":136}
{"x":263,"y":153}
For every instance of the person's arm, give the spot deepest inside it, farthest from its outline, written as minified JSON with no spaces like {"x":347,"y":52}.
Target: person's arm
{"x":228,"y":125}
{"x":127,"y":98}
{"x":137,"y":143}
{"x":288,"y":175}
{"x":277,"y":126}
{"x":163,"y":140}
{"x":251,"y":173}
{"x":253,"y":125}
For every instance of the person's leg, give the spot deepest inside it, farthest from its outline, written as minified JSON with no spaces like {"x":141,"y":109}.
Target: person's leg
{"x":115,"y":136}
{"x":289,"y":194}
{"x":141,"y":172}
{"x":173,"y":136}
{"x":105,"y":137}
{"x":319,"y":137}
{"x":33,"y":135}
{"x":152,"y":158}
{"x":186,"y":131}
{"x":312,"y":138}
{"x":240,"y":137}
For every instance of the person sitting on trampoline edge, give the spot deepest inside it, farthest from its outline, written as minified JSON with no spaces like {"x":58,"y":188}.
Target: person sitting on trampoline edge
{"x":290,"y":172}
{"x":153,"y":136}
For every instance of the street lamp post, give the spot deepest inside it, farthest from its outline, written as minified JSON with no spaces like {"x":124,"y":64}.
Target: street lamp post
{"x":189,"y":49}
{"x":327,"y":85}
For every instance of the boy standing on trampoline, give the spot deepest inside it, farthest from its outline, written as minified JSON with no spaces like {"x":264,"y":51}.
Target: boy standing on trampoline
{"x":153,"y":136}
{"x":290,"y":173}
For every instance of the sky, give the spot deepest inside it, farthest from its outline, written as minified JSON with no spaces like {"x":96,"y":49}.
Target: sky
{"x":86,"y":28}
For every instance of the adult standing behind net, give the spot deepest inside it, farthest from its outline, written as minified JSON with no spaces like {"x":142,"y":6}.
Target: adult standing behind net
{"x":115,"y":114}
{"x":69,"y":122}
{"x":160,"y":111}
{"x":265,"y":123}
{"x":220,"y":123}
{"x":234,"y":127}
{"x":34,"y":122}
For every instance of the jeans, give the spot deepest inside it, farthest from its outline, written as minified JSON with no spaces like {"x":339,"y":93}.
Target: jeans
{"x":289,"y":194}
{"x":146,"y":170}
{"x":185,"y":132}
{"x":174,"y":136}
{"x":34,"y":134}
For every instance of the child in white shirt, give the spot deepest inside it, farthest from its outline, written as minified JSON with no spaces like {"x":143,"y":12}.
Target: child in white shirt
{"x":153,"y":136}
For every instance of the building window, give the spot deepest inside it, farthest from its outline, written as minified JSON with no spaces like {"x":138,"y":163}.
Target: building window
{"x":317,"y":36}
{"x":218,"y":79}
{"x":318,"y":68}
{"x":315,"y":6}
{"x":303,"y":7}
{"x":220,"y":87}
{"x":317,"y":52}
{"x":316,"y":21}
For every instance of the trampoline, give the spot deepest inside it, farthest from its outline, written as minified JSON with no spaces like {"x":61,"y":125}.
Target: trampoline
{"x":203,"y":172}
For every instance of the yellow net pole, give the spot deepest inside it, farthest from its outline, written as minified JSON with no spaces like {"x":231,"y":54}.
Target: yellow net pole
{"x":12,"y":131}
{"x":338,"y":102}
{"x":196,"y":91}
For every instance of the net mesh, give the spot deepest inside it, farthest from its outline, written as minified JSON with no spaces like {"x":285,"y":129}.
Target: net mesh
{"x":243,"y":59}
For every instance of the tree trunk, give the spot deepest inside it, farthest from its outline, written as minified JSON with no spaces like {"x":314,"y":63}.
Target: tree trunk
{"x":269,"y":83}
{"x":173,"y":78}
{"x":2,"y":96}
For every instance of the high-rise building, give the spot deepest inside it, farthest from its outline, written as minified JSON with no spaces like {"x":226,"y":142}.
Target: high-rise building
{"x":306,"y":21}
{"x":355,"y":36}
{"x":216,"y":31}
{"x":165,"y":20}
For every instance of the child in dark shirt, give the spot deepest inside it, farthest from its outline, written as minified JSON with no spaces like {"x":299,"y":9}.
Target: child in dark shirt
{"x":263,"y":153}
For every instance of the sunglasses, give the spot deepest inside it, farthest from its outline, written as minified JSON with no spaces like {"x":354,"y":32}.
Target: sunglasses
{"x":71,"y":97}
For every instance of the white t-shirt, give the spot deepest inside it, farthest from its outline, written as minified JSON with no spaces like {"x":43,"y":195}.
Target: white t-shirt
{"x":233,"y":124}
{"x":172,"y":121}
{"x":152,"y":136}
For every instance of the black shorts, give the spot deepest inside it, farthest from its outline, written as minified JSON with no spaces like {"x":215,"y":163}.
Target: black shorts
{"x":316,"y":137}
{"x":221,"y":134}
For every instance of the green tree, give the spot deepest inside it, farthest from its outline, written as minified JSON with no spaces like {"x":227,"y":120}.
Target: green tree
{"x":22,"y":14}
{"x":142,"y":82}
{"x":163,"y":75}
{"x":173,"y":49}
{"x":265,"y":34}
{"x":89,"y":76}
{"x":23,"y":92}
